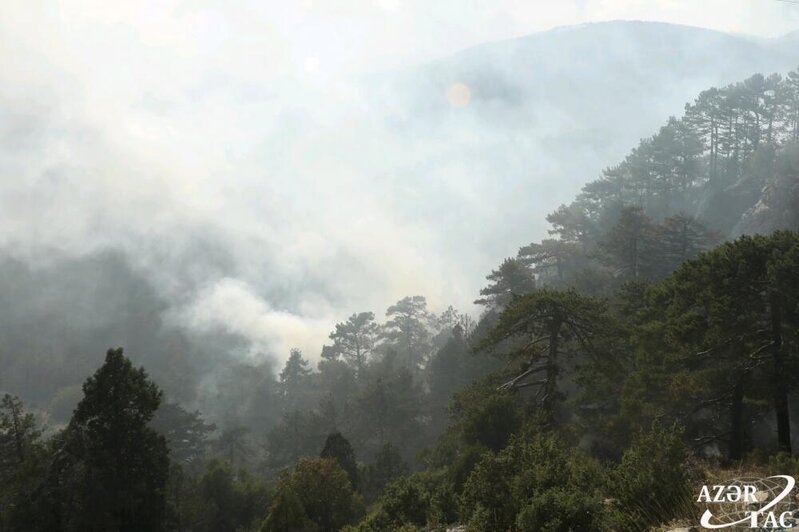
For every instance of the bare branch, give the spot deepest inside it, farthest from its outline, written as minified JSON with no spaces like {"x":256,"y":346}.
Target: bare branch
{"x":513,"y":382}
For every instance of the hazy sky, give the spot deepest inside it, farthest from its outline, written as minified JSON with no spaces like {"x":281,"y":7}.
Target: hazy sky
{"x":221,"y":145}
{"x":335,"y":35}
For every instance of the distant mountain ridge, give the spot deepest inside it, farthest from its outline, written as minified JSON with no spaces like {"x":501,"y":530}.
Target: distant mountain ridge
{"x":550,"y":110}
{"x":544,"y":119}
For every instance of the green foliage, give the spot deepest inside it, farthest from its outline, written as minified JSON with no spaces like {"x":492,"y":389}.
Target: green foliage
{"x":377,"y":521}
{"x":234,"y":446}
{"x":405,"y":501}
{"x":408,"y":330}
{"x":706,"y":337}
{"x":451,"y":369}
{"x":650,"y":485}
{"x":538,"y":329}
{"x":481,"y":519}
{"x":783,"y":464}
{"x":231,"y":500}
{"x":294,"y":376}
{"x":119,"y":465}
{"x":324,"y":493}
{"x":22,"y":453}
{"x":19,"y":434}
{"x":287,"y":513}
{"x":464,"y":462}
{"x":339,"y":449}
{"x":514,"y":487}
{"x":299,"y":433}
{"x":628,"y":246}
{"x":513,"y":278}
{"x":354,"y":340}
{"x":389,"y":408}
{"x":552,"y":261}
{"x":560,"y":509}
{"x":493,"y":422}
{"x":423,"y":500}
{"x":388,"y":465}
{"x":186,"y":433}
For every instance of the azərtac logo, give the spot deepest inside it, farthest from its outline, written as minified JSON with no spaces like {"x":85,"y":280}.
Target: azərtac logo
{"x":763,"y":504}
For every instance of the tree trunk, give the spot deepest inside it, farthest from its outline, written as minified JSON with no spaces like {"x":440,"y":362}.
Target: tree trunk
{"x":736,"y":446}
{"x":551,"y":385}
{"x":780,"y":387}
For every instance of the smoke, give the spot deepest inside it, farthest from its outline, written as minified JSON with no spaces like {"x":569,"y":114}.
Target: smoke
{"x":241,"y":159}
{"x":230,"y":306}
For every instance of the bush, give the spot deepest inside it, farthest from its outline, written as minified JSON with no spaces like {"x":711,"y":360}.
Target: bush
{"x":480,"y":520}
{"x":287,"y":513}
{"x":650,"y":485}
{"x":560,"y":509}
{"x":783,"y":464}
{"x":406,"y":501}
{"x":535,"y":485}
{"x":443,"y":505}
{"x":388,"y":466}
{"x":324,"y":493}
{"x":489,"y":487}
{"x":231,"y":500}
{"x":463,"y":464}
{"x":374,"y":522}
{"x":493,"y":422}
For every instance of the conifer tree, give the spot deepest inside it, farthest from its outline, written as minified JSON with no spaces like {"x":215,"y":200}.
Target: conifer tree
{"x":119,"y":464}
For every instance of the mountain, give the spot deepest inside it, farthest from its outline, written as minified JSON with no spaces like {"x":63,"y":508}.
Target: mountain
{"x":468,"y":154}
{"x":547,"y":113}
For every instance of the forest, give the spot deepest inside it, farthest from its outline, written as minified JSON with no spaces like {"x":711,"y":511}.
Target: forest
{"x":650,"y":345}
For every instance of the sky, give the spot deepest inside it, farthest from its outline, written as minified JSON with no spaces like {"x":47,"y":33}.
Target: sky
{"x":225,"y":148}
{"x":335,"y":35}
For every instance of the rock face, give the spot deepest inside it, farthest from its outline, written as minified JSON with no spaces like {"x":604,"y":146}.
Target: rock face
{"x":777,"y":208}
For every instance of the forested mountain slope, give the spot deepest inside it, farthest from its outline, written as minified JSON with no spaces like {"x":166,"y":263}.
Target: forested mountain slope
{"x":546,"y":113}
{"x":544,"y":118}
{"x":650,"y":338}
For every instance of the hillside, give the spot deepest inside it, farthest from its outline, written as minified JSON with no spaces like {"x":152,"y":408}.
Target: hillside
{"x":547,"y":113}
{"x":544,"y":118}
{"x":640,"y":342}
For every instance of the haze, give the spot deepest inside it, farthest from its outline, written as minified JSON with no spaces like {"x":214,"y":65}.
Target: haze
{"x":273,"y":167}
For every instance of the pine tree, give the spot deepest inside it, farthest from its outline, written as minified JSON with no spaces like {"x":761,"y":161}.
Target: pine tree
{"x":628,"y":246}
{"x":120,"y":464}
{"x":680,"y":238}
{"x":512,"y":278}
{"x":542,"y":327}
{"x":22,"y":459}
{"x":388,"y":466}
{"x":317,"y":495}
{"x":354,"y":340}
{"x":408,"y":328}
{"x":338,"y":448}
{"x":571,"y":224}
{"x":551,"y":261}
{"x":729,"y":316}
{"x":294,"y":378}
{"x":186,"y":433}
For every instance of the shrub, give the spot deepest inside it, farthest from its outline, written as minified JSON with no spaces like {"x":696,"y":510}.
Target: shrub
{"x":377,"y":521}
{"x":406,"y":501}
{"x":560,"y":509}
{"x":783,"y":464}
{"x":524,"y":486}
{"x":493,"y":422}
{"x":324,"y":492}
{"x":650,"y":485}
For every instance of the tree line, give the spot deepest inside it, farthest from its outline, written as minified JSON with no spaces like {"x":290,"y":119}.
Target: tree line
{"x":613,"y":364}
